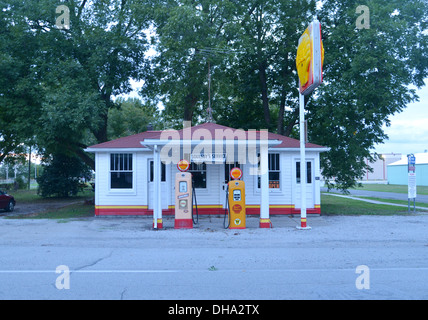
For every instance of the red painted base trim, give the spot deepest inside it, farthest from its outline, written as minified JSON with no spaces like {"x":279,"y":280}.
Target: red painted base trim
{"x":123,"y":211}
{"x":237,"y":228}
{"x":183,"y":224}
{"x":308,"y":211}
{"x":159,"y":224}
{"x":265,"y":223}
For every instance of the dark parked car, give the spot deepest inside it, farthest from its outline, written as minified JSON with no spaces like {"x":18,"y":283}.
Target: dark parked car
{"x":7,"y":202}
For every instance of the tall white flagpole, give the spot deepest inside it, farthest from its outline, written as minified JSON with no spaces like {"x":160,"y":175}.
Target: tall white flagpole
{"x":303,"y":225}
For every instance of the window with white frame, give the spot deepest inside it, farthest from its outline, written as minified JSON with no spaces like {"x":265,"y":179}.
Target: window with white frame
{"x":274,"y":171}
{"x":121,"y":173}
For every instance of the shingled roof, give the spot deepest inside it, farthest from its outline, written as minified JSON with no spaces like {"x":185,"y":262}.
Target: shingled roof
{"x":134,"y":141}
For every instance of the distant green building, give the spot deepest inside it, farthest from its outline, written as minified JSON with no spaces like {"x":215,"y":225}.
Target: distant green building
{"x":397,"y":171}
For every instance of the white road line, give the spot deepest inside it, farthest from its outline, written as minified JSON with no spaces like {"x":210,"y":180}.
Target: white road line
{"x":217,"y":270}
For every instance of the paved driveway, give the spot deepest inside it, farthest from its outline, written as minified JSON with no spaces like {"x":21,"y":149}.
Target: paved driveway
{"x":123,"y":258}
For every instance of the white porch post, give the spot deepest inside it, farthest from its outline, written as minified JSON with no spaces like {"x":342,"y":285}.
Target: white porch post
{"x":157,"y":204}
{"x":264,"y":185}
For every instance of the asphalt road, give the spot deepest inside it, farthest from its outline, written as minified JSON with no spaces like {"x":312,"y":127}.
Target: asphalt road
{"x":382,"y":195}
{"x":123,"y":258}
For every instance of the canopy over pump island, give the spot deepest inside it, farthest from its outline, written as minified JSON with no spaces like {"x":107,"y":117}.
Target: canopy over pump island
{"x":214,"y":169}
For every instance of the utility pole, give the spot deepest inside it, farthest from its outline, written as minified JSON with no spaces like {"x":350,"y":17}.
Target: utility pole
{"x":210,"y":113}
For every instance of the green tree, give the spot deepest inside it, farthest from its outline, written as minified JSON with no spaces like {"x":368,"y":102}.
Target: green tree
{"x":57,"y":86}
{"x":131,"y":117}
{"x":187,"y":36}
{"x":83,"y":67}
{"x":247,"y":50}
{"x":367,"y":74}
{"x":263,"y":75}
{"x":20,"y":96}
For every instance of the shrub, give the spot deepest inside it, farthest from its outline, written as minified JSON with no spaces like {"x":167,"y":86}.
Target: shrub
{"x":61,"y":176}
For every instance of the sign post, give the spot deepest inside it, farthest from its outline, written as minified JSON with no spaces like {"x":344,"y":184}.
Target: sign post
{"x":411,"y":181}
{"x":309,"y":61}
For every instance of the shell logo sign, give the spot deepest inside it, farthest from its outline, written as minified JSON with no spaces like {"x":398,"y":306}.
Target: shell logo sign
{"x":183,"y":165}
{"x":237,"y":208}
{"x":310,"y":58}
{"x":236,"y":173}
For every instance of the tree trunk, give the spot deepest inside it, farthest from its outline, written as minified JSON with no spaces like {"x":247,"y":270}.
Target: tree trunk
{"x":189,"y":107}
{"x":86,"y":158}
{"x":280,"y":128}
{"x":294,"y":120}
{"x":101,"y":132}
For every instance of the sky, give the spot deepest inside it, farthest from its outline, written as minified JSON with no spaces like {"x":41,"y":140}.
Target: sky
{"x":408,"y":132}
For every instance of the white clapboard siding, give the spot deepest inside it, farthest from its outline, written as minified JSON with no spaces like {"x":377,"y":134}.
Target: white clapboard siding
{"x":214,"y":194}
{"x":105,"y":196}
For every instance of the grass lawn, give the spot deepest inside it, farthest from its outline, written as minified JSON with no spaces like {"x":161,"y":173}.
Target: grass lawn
{"x":392,"y":188}
{"x":332,"y":205}
{"x":31,"y":196}
{"x":405,"y":202}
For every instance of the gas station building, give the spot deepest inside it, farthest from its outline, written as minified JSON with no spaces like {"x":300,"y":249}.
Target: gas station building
{"x":135,"y":175}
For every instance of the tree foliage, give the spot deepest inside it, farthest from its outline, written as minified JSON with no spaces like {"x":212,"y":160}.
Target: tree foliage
{"x":58,"y":86}
{"x":131,"y":117}
{"x":79,"y":69}
{"x":252,"y":48}
{"x":20,"y":95}
{"x":368,"y":73}
{"x":62,"y":175}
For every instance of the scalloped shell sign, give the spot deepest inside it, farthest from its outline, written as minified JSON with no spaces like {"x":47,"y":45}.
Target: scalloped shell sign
{"x":235,"y":173}
{"x":183,"y":165}
{"x":310,"y":58}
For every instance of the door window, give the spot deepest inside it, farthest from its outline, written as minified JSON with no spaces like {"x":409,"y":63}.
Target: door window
{"x":308,"y":172}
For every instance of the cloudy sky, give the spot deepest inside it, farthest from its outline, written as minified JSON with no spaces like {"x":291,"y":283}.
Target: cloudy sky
{"x":408,"y":132}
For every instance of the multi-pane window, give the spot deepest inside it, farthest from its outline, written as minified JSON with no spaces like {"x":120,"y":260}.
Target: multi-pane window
{"x":121,"y":171}
{"x":199,"y":174}
{"x":308,"y":172}
{"x":274,"y":171}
